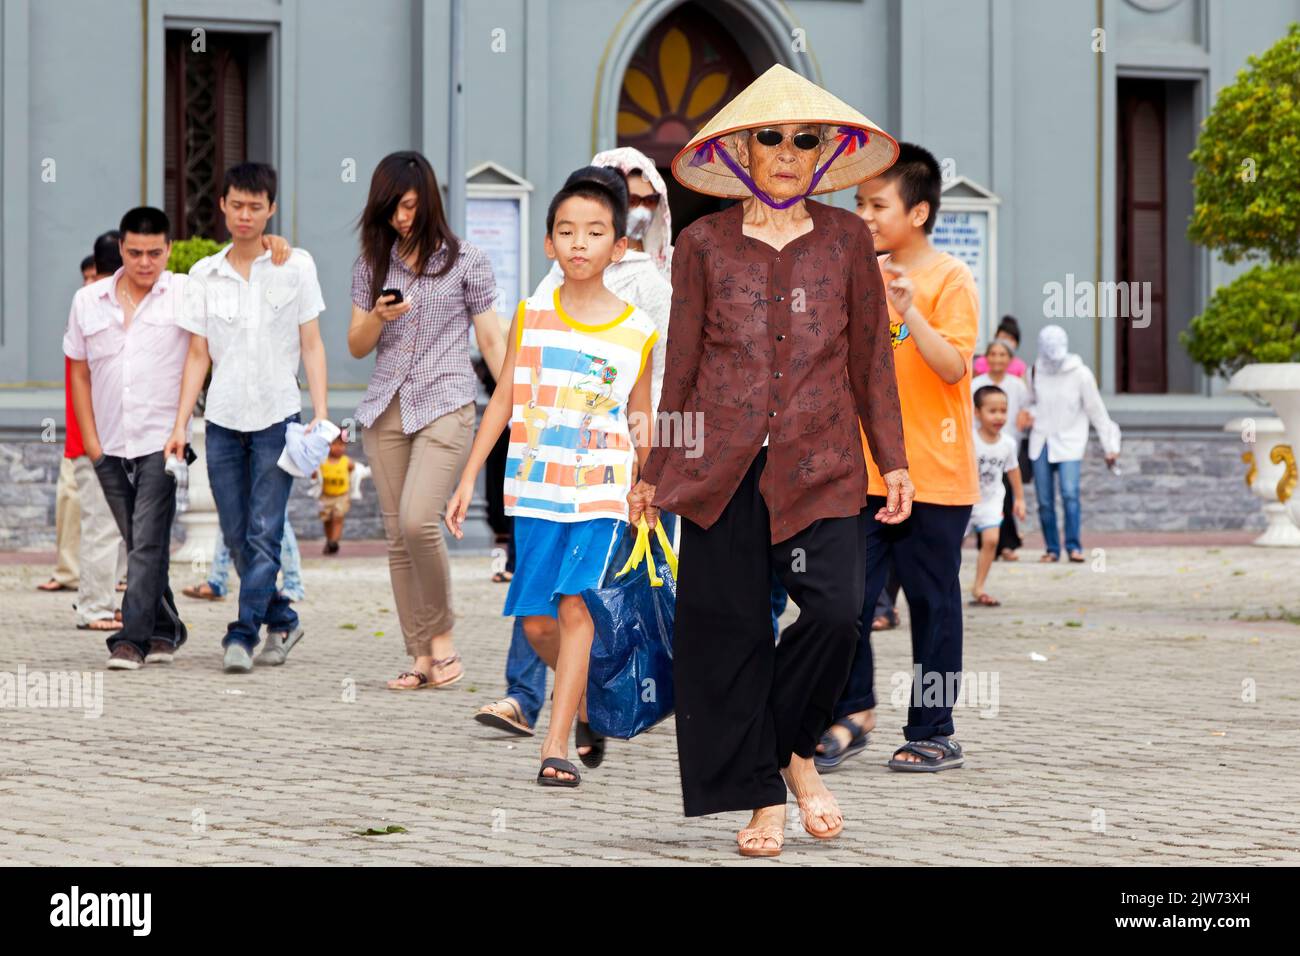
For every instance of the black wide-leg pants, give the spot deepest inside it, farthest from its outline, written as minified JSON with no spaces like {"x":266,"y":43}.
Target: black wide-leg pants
{"x":744,"y":704}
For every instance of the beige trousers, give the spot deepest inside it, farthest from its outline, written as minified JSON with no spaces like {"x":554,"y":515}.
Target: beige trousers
{"x":414,"y":475}
{"x":67,"y":525}
{"x":103,"y":552}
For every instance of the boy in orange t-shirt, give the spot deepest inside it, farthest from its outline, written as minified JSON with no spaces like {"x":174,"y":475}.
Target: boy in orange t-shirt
{"x":934,"y":321}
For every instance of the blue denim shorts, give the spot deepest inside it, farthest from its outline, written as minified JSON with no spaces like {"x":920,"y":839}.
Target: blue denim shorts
{"x":554,"y":558}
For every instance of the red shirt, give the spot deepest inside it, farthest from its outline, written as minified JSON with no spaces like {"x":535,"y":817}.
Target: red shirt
{"x":72,"y":447}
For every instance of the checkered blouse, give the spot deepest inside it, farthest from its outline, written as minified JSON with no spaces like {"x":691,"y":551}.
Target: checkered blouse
{"x":423,"y":357}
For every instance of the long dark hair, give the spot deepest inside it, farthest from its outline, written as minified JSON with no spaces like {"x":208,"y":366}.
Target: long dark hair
{"x":396,"y":174}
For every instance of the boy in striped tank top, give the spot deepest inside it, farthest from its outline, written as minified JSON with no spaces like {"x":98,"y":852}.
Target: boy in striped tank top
{"x":576,"y":372}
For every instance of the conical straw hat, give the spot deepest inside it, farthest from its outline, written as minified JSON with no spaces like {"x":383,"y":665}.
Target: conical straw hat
{"x":782,"y":96}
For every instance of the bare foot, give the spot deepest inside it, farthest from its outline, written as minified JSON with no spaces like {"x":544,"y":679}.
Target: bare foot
{"x":765,"y":818}
{"x":817,"y":806}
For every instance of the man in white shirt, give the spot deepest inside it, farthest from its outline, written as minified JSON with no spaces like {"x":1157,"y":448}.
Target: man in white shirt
{"x":254,"y":322}
{"x":127,"y":352}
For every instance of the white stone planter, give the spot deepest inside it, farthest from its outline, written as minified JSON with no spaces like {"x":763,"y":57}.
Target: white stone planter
{"x":1262,"y":477}
{"x":200,"y":519}
{"x":1278,"y":383}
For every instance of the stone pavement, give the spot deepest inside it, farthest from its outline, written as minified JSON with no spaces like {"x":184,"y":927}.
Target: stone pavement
{"x":1161,"y":728}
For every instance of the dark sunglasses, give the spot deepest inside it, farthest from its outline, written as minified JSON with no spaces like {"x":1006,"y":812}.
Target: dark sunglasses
{"x":651,"y":201}
{"x":773,"y":137}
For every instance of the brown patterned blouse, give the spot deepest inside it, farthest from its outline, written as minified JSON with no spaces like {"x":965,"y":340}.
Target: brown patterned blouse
{"x":790,"y":343}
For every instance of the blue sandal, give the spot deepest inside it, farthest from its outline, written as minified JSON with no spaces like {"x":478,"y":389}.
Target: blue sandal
{"x":833,"y":752}
{"x":937,"y":753}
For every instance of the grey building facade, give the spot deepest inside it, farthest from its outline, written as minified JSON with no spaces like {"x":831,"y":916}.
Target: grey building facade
{"x":1063,"y":110}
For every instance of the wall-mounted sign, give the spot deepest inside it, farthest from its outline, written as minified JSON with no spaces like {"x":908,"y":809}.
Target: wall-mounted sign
{"x":967,"y":228}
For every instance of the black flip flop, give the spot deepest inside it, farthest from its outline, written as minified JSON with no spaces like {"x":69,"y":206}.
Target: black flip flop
{"x":833,"y":754}
{"x":560,"y":766}
{"x":584,"y":736}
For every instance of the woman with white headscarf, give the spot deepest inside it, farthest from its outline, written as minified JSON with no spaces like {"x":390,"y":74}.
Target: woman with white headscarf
{"x":1063,"y":399}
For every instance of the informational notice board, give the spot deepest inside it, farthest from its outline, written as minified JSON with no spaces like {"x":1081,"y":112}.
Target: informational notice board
{"x":965,"y":235}
{"x":493,"y":224}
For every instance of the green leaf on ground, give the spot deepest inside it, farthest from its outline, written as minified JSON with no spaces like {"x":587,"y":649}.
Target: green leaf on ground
{"x":379,"y":633}
{"x":384,"y":832}
{"x":348,"y":627}
{"x":1074,"y":624}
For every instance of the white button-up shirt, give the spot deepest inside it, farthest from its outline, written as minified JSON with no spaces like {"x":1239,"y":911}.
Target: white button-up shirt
{"x":252,"y":330}
{"x":135,"y":371}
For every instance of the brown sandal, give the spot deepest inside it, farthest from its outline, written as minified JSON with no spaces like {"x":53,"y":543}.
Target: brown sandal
{"x":202,"y":592}
{"x":102,"y":624}
{"x":421,"y":676}
{"x":504,"y":714}
{"x":760,"y":835}
{"x":52,"y":585}
{"x":446,"y":662}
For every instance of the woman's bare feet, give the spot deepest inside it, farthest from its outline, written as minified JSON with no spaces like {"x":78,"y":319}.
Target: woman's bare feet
{"x":763,"y":835}
{"x":818,"y":809}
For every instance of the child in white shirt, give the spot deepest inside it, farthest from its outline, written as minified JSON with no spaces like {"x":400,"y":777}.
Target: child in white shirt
{"x":995,"y":455}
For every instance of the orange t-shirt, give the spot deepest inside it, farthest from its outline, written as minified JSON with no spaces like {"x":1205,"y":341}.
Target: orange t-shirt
{"x":937,"y":418}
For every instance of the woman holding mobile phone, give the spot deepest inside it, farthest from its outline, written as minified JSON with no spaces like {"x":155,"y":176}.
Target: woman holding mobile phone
{"x":416,"y":290}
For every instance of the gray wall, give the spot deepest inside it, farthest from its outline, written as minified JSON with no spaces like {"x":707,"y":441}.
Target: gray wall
{"x":1006,"y":88}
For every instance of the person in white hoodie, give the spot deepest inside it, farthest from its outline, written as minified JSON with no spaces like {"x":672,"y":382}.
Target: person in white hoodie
{"x":1063,"y":400}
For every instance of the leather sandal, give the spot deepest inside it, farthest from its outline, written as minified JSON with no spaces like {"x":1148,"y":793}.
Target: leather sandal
{"x":504,"y":714}
{"x":446,"y":662}
{"x":759,"y":836}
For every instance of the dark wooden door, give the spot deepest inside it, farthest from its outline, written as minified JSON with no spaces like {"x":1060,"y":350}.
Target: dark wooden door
{"x":1141,"y":359}
{"x":205,"y":128}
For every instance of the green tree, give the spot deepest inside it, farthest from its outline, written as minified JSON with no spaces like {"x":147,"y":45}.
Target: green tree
{"x":1248,"y":161}
{"x":1254,"y":318}
{"x":186,"y":252}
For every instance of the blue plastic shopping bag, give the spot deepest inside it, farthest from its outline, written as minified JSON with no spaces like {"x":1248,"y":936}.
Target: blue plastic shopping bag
{"x":630,"y":678}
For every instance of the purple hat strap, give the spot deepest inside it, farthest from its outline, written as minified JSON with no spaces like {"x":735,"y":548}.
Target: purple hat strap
{"x":851,"y":137}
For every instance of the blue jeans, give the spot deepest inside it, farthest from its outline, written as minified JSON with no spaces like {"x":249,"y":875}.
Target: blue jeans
{"x":252,"y":495}
{"x":526,"y":672}
{"x":290,"y":565}
{"x":1046,"y":474}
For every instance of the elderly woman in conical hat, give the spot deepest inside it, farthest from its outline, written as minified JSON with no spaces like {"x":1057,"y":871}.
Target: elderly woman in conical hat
{"x":778,"y":347}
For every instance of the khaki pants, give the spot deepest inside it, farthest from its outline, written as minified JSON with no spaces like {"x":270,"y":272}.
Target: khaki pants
{"x":103,"y":552}
{"x":67,"y":525}
{"x":414,"y":476}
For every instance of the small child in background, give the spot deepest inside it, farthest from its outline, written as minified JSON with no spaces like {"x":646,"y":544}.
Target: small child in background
{"x":335,"y":493}
{"x":995,"y":456}
{"x":997,"y":361}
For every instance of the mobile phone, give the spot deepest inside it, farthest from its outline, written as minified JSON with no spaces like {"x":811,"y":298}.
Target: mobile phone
{"x":396,"y":292}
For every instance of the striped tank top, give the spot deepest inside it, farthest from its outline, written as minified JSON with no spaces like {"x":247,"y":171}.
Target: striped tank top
{"x":570,"y":456}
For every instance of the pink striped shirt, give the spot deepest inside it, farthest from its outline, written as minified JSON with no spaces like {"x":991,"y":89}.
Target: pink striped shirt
{"x":135,"y":371}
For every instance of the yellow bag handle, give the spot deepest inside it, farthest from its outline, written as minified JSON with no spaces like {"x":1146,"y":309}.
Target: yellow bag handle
{"x":641,"y":551}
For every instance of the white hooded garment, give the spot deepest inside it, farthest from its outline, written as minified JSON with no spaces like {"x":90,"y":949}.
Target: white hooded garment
{"x":642,"y":278}
{"x":1063,"y":402}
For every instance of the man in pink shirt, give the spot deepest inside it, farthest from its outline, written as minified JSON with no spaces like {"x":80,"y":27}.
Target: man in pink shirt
{"x":127,"y":351}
